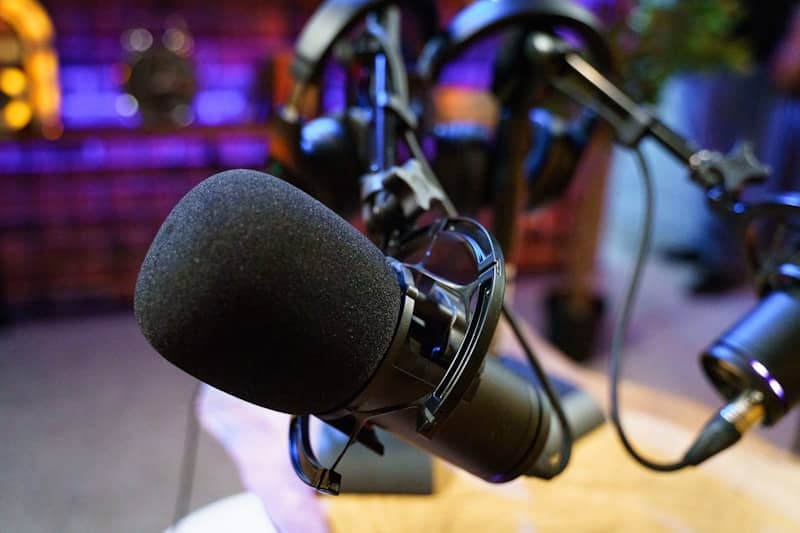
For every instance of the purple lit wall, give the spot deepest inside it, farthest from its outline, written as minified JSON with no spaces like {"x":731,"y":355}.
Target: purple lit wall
{"x":77,"y":214}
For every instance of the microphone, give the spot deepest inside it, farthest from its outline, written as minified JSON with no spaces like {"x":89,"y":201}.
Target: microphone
{"x":259,"y":290}
{"x":754,"y":365}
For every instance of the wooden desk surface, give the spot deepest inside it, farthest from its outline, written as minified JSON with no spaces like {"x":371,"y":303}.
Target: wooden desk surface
{"x":751,"y":487}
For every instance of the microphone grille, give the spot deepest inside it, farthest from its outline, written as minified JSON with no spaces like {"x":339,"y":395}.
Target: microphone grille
{"x":259,"y":290}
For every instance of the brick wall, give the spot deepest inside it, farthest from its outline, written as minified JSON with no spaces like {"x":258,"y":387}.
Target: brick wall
{"x":77,"y":214}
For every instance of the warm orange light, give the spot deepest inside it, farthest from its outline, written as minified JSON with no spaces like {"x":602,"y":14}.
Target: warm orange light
{"x":13,"y":81}
{"x":42,"y":64}
{"x":17,"y":114}
{"x":454,"y":104}
{"x":52,"y":132}
{"x":29,"y":18}
{"x":46,"y":101}
{"x":10,"y":49}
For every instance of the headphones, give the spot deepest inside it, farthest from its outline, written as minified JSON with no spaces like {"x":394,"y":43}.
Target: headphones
{"x":325,"y":156}
{"x":557,"y":142}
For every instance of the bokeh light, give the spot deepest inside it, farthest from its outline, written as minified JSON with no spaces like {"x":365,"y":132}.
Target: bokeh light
{"x":13,"y":81}
{"x":17,"y":114}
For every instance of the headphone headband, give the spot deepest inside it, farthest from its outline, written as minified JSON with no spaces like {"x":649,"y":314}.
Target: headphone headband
{"x":486,"y":16}
{"x":333,"y":18}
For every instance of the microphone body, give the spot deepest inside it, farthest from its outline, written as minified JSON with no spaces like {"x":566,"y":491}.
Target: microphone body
{"x":759,"y":353}
{"x":259,"y":290}
{"x":497,"y":434}
{"x":755,"y":367}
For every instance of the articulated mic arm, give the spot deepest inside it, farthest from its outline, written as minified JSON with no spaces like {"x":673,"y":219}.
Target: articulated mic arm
{"x":753,"y":364}
{"x":722,"y":176}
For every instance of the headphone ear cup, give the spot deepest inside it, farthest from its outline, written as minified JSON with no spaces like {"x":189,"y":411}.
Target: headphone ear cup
{"x":555,"y":153}
{"x":462,"y":163}
{"x":286,"y":161}
{"x":284,"y":139}
{"x":330,"y":159}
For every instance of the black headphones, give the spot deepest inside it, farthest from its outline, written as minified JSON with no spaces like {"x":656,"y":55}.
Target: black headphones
{"x":557,"y":143}
{"x":325,"y":156}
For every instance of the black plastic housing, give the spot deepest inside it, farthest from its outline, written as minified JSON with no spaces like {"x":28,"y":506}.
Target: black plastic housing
{"x":760,"y":352}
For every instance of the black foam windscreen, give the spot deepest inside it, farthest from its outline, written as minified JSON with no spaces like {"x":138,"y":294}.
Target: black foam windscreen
{"x":259,"y":290}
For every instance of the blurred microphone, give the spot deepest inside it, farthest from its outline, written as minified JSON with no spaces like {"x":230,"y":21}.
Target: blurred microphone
{"x":259,"y":290}
{"x":754,"y":365}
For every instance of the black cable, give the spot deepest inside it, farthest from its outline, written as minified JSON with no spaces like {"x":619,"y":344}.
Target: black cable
{"x":623,"y":320}
{"x":553,"y":398}
{"x":188,"y":460}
